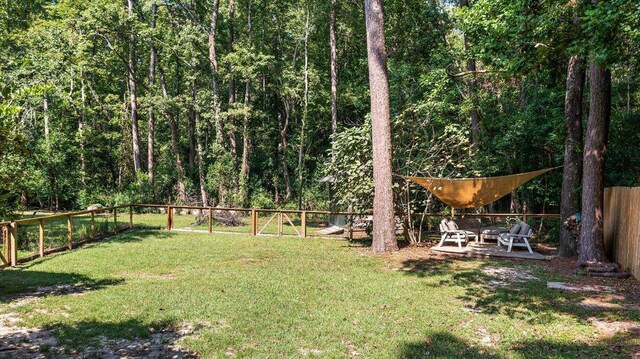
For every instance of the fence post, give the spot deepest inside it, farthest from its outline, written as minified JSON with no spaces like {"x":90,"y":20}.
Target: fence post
{"x":303,"y":224}
{"x":279,"y":224}
{"x":5,"y":245}
{"x":93,"y":225}
{"x":169,"y":219}
{"x":210,"y":220}
{"x":254,"y":222}
{"x":115,"y":220}
{"x":41,"y":238}
{"x":69,"y":232}
{"x":130,"y":216}
{"x":350,"y":226}
{"x":14,"y":244}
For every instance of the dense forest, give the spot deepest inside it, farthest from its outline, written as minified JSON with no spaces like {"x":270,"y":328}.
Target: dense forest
{"x":250,"y":102}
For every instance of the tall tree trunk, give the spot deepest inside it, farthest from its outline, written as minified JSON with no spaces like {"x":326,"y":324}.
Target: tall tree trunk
{"x":199,"y":158}
{"x":191,"y":131}
{"x":246,"y":142}
{"x":213,"y":62}
{"x":152,"y":81}
{"x":132,"y":90}
{"x":334,"y":72}
{"x":45,"y":110}
{"x":83,"y":101}
{"x":595,"y":147}
{"x":201,"y":175}
{"x":246,"y":149}
{"x":282,"y":148}
{"x":175,"y":140}
{"x":629,"y":71}
{"x":191,"y":128}
{"x":384,"y":238}
{"x":233,"y":146}
{"x":514,"y":202}
{"x":572,"y":171}
{"x":304,"y":110}
{"x":474,"y":114}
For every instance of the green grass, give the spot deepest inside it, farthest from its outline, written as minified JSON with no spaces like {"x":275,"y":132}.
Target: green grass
{"x":282,"y":297}
{"x":56,"y":231}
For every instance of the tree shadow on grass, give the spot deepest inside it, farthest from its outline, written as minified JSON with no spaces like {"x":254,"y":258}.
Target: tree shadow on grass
{"x":366,"y":242}
{"x":442,"y":345}
{"x":23,"y":283}
{"x":521,"y":293}
{"x":621,"y":345}
{"x":124,"y":236}
{"x":427,"y":267}
{"x":136,"y":235}
{"x":446,"y":345}
{"x":94,"y":339}
{"x":362,"y":242}
{"x":17,"y":285}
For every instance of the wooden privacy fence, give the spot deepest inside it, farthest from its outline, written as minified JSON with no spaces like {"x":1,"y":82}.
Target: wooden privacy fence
{"x":622,"y":226}
{"x":30,"y":238}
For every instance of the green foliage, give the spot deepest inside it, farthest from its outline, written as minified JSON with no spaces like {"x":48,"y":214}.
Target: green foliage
{"x":353,"y":167}
{"x":74,"y":53}
{"x":12,"y":159}
{"x":260,"y":198}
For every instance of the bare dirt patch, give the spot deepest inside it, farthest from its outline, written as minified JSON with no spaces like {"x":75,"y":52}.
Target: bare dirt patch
{"x":151,"y":276}
{"x":506,"y":276}
{"x":420,"y":257}
{"x":580,"y":288}
{"x":306,"y":352}
{"x":248,"y":260}
{"x":607,"y":302}
{"x":485,"y":338}
{"x":18,"y":342}
{"x":611,"y":328}
{"x":17,"y":300}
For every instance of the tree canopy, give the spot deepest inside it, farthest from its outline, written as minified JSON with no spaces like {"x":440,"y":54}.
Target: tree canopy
{"x":234,"y":98}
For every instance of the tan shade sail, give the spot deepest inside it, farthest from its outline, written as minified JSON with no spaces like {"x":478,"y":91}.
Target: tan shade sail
{"x":474,"y":192}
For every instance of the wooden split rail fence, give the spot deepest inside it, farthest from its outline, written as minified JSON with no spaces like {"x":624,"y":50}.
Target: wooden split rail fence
{"x":111,"y":225}
{"x":281,"y":216}
{"x":10,"y":232}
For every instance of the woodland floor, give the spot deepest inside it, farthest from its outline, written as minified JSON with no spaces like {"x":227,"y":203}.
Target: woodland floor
{"x":149,"y":293}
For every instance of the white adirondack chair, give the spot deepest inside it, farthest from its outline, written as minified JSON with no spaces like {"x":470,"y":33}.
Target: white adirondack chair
{"x":518,"y":236}
{"x":449,"y":232}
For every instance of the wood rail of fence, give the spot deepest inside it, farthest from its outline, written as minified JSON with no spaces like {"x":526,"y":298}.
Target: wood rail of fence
{"x":9,"y":230}
{"x":622,"y":226}
{"x":10,"y":233}
{"x":282,"y":218}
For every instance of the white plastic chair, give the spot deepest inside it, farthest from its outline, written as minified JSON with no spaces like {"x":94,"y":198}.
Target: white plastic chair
{"x":450,"y":233}
{"x":518,"y":236}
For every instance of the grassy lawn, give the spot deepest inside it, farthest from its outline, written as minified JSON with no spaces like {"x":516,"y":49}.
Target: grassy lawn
{"x":56,"y":231}
{"x":287,"y":297}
